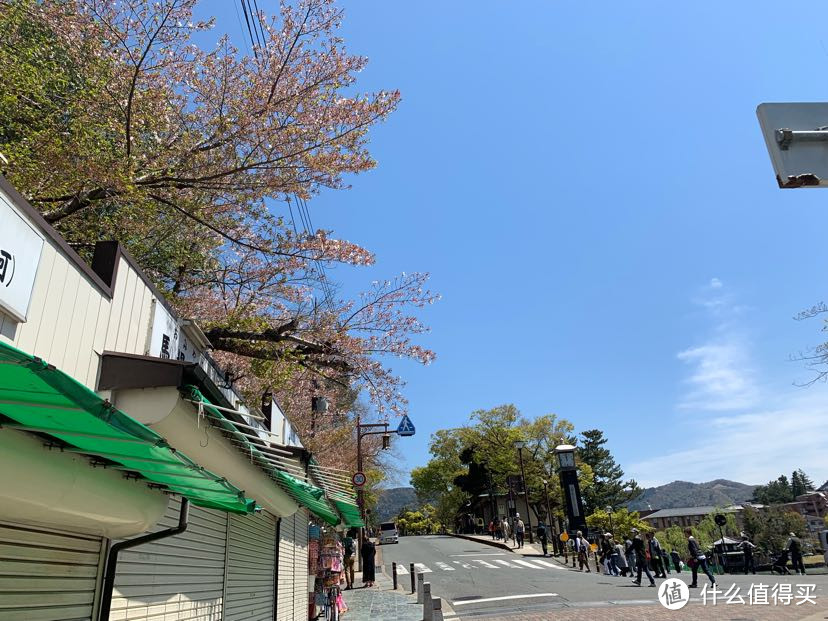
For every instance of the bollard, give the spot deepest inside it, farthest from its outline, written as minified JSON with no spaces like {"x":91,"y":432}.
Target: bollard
{"x":420,"y":588}
{"x":394,"y":574}
{"x":428,"y":603}
{"x":413,"y":577}
{"x":438,"y":609}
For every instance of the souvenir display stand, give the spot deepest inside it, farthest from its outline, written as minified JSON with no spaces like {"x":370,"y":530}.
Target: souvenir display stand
{"x":326,"y":567}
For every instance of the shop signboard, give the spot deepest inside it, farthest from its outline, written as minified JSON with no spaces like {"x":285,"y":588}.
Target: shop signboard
{"x":20,"y":247}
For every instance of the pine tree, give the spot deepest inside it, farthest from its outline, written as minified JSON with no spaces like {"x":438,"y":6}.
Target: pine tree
{"x":797,"y":486}
{"x":807,"y":482}
{"x":608,"y":489}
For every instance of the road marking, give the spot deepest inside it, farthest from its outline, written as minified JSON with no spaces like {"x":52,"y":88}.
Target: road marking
{"x":506,"y":564}
{"x":444,"y":566}
{"x":500,"y":599}
{"x":486,"y":563}
{"x":547,"y":564}
{"x":463,"y":565}
{"x":527,"y":564}
{"x":484,"y":554}
{"x":421,"y":568}
{"x":401,"y":570}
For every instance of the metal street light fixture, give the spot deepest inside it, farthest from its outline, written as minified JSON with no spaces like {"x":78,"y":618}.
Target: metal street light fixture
{"x":520,"y":445}
{"x":609,"y":511}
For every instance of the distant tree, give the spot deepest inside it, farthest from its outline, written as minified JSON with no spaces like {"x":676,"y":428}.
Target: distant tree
{"x":608,"y":487}
{"x":769,"y":527}
{"x":621,"y":523}
{"x":775,"y":492}
{"x":807,"y":484}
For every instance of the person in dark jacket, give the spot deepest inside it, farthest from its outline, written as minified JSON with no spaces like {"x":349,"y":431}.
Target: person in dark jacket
{"x":794,"y":548}
{"x":697,"y":559}
{"x":654,"y":548}
{"x":640,"y":559}
{"x":543,"y":538}
{"x":676,"y":558}
{"x":369,"y":553}
{"x":747,"y":550}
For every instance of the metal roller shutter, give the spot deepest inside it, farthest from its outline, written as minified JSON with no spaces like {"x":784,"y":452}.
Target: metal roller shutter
{"x":287,"y":554}
{"x":47,"y":575}
{"x":251,"y":558}
{"x":179,"y":578}
{"x":300,"y":568}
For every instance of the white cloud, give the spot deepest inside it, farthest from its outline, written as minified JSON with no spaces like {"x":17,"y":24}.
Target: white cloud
{"x":754,"y":447}
{"x":721,"y":378}
{"x":762,"y":435}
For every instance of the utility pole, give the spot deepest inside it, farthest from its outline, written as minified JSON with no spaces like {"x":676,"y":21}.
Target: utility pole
{"x":360,"y":493}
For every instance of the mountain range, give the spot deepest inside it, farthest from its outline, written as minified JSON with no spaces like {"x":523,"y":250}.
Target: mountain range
{"x":393,"y":499}
{"x":718,"y":493}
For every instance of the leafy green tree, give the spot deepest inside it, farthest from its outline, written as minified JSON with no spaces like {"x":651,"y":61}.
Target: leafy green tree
{"x":800,"y":483}
{"x":608,"y":488}
{"x":769,"y":527}
{"x":622,"y":522}
{"x":775,"y":492}
{"x":434,"y":482}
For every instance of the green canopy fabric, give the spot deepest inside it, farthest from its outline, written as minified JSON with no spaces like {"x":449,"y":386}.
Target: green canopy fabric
{"x":41,"y":399}
{"x":350,"y":513}
{"x":303,"y":493}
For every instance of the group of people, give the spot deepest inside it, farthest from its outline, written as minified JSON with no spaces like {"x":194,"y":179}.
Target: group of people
{"x":502,"y":529}
{"x":637,"y":556}
{"x":368,"y":552}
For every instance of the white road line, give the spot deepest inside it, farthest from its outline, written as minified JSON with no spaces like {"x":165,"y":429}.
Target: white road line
{"x":500,"y":599}
{"x":463,"y":565}
{"x":401,"y":570}
{"x":547,"y":564}
{"x":421,"y":568}
{"x":486,"y":564}
{"x":444,"y":566}
{"x":484,"y":554}
{"x":526,"y":563}
{"x":506,"y":564}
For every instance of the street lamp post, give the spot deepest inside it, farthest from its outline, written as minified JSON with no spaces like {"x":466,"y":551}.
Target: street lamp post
{"x":570,"y":487}
{"x":520,"y":444}
{"x":609,"y":511}
{"x":360,"y":494}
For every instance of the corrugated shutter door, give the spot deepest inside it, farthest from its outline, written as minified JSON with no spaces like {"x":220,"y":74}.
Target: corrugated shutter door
{"x":46,"y":575}
{"x":178,"y":578}
{"x":300,"y":569}
{"x":287,"y":549}
{"x":251,"y":559}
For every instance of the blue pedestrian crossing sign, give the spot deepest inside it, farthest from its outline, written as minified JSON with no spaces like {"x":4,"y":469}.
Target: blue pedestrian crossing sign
{"x":406,"y":427}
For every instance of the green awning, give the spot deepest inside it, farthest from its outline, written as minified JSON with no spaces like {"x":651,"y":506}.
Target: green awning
{"x":41,"y":399}
{"x":349,"y":512}
{"x":303,"y":493}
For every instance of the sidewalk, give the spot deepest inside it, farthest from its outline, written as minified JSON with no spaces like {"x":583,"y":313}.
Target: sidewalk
{"x":381,"y":602}
{"x":528,"y":549}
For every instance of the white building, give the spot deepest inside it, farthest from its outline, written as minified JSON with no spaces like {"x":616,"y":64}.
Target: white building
{"x":113,"y":417}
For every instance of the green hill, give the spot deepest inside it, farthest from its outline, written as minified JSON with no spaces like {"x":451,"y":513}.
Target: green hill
{"x":718,"y":493}
{"x":393,"y":499}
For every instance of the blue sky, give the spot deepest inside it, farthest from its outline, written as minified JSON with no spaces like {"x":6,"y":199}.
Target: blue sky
{"x":591,"y":193}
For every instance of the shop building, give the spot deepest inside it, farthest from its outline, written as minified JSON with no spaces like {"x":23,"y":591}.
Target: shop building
{"x":116,"y":423}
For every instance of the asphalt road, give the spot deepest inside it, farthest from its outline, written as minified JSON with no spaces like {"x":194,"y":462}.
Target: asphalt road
{"x":477,"y":580}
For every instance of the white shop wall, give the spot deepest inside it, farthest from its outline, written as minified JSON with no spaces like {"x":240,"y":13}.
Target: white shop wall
{"x":71,"y":321}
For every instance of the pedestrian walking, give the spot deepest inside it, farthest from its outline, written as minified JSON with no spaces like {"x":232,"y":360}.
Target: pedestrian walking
{"x":504,"y":526}
{"x":581,"y":550}
{"x":697,"y":559}
{"x":676,"y":558}
{"x":640,"y":559}
{"x":629,"y":553}
{"x":794,"y":548}
{"x":665,"y":560}
{"x":369,"y":553}
{"x":747,"y":550}
{"x":349,"y":547}
{"x":621,"y":559}
{"x":520,"y":531}
{"x":606,"y":552}
{"x":542,"y":537}
{"x":612,"y":555}
{"x":492,"y":528}
{"x":654,"y":549}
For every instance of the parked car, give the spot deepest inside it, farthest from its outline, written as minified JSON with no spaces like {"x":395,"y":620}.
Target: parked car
{"x":389,"y":533}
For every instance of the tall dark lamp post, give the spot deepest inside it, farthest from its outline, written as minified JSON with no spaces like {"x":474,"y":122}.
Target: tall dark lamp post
{"x":520,"y":445}
{"x":568,"y":473}
{"x":609,"y":512}
{"x":360,"y":426}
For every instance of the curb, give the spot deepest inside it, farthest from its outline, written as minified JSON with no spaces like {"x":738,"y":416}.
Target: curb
{"x":493,"y":543}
